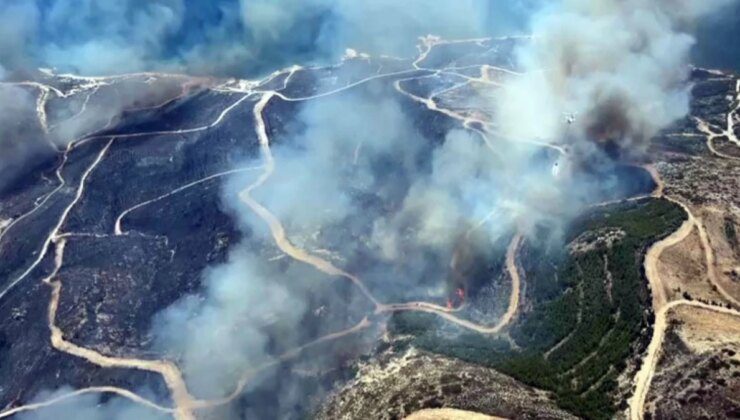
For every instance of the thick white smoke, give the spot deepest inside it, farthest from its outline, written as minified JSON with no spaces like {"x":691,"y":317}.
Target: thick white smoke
{"x":619,"y":68}
{"x":218,"y":338}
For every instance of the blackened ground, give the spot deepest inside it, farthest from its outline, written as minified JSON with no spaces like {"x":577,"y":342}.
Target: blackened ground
{"x":113,"y":285}
{"x":28,"y":363}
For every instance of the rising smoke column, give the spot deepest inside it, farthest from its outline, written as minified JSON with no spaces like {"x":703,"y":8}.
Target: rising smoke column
{"x":619,"y":66}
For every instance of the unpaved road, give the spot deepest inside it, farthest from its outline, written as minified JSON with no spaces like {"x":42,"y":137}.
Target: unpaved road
{"x":184,"y":402}
{"x":281,"y":240}
{"x":661,"y":306}
{"x":647,"y":371}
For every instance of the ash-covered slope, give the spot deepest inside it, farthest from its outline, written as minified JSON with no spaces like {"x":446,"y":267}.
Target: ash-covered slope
{"x":123,"y":220}
{"x":232,"y":247}
{"x":117,"y":281}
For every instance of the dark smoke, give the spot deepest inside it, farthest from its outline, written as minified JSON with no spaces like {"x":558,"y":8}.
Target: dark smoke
{"x":620,"y":68}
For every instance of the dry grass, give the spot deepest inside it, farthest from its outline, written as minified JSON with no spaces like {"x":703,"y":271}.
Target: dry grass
{"x":449,"y":414}
{"x":705,"y":331}
{"x":683,"y":268}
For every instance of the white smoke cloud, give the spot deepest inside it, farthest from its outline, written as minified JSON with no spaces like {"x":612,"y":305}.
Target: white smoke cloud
{"x":460,"y":190}
{"x":114,"y":36}
{"x":19,"y":21}
{"x":21,"y":137}
{"x":620,"y":67}
{"x":318,"y":164}
{"x":218,"y":337}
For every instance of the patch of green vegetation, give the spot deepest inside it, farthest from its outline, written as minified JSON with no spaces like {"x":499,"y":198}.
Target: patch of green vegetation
{"x":413,"y":323}
{"x":593,"y":317}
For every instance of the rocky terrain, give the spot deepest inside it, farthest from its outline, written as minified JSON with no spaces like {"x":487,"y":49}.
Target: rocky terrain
{"x":391,"y":387}
{"x":698,"y":374}
{"x":692,"y":352}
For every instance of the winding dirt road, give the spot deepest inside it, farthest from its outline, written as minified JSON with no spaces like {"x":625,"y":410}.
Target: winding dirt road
{"x":511,"y":310}
{"x":449,"y":414}
{"x":169,"y":372}
{"x":661,"y":306}
{"x":710,"y":134}
{"x":651,"y":262}
{"x":281,"y":239}
{"x":118,"y":230}
{"x":92,"y":390}
{"x":184,"y":403}
{"x":647,"y":371}
{"x":172,"y":376}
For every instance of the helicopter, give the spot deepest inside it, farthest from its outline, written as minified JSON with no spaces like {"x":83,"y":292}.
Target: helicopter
{"x":570,"y":117}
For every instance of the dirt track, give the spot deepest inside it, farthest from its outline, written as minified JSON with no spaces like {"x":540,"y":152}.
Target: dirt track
{"x":661,"y":306}
{"x":449,"y":414}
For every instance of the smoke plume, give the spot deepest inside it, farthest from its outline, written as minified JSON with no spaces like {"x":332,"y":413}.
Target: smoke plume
{"x":218,"y":338}
{"x":21,"y":136}
{"x":620,"y":68}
